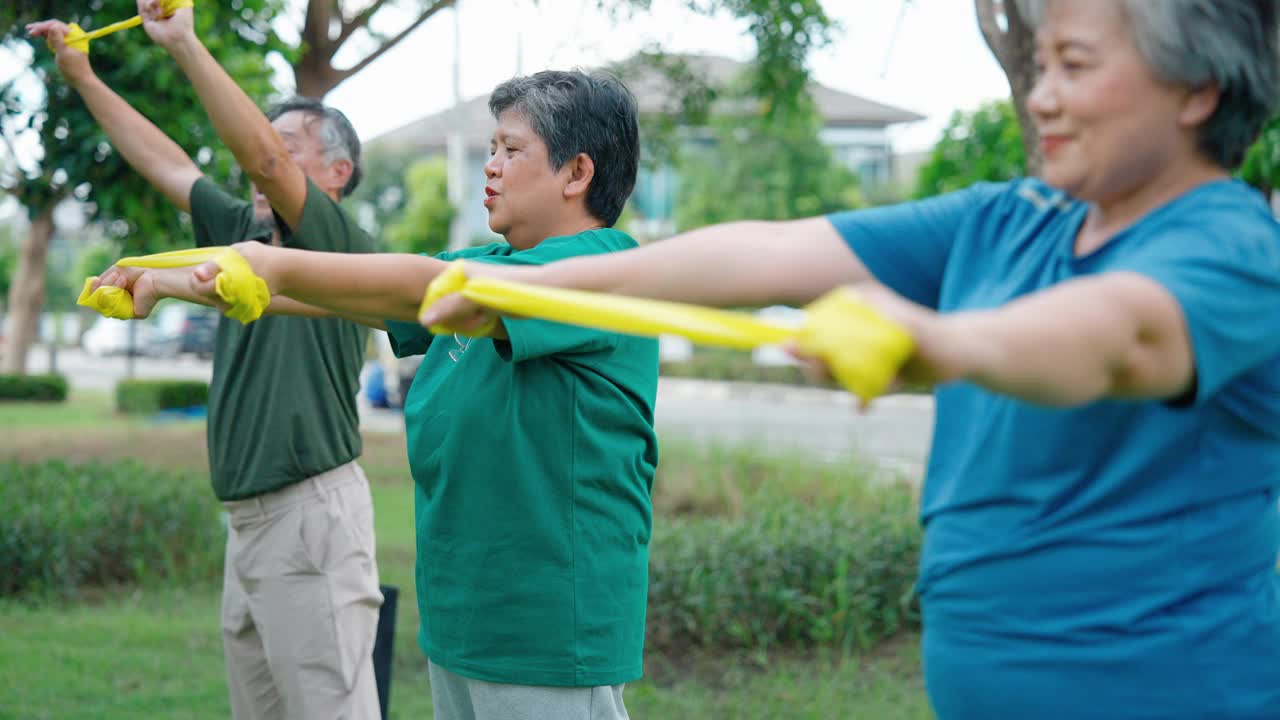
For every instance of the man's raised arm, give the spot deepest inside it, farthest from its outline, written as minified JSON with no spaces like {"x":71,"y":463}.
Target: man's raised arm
{"x":148,"y":150}
{"x":257,"y":147}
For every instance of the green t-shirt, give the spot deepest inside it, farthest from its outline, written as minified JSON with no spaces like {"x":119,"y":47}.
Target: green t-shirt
{"x":282,"y":403}
{"x":533,"y":460}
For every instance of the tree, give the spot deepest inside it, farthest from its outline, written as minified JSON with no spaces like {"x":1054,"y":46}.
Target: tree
{"x":1013,"y":43}
{"x":8,"y":263}
{"x":983,"y":145}
{"x":73,"y":158}
{"x":329,"y":25}
{"x":784,"y":34}
{"x":424,"y":225}
{"x":1261,"y":167}
{"x":762,"y":169}
{"x":380,"y":198}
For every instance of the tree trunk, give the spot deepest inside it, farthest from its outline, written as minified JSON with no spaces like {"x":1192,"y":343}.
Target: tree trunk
{"x":313,"y":73}
{"x":26,"y":294}
{"x":314,"y":76}
{"x":1014,"y":46}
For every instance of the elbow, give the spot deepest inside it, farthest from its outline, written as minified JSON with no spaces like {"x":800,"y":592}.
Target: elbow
{"x":268,"y":167}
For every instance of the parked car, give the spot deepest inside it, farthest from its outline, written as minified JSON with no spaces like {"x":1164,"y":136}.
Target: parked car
{"x":181,"y":329}
{"x":108,"y":336}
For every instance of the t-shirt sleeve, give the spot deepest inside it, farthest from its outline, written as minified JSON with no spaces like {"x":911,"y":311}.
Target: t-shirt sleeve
{"x":408,"y":338}
{"x":325,"y":226}
{"x":220,"y":219}
{"x":530,"y":338}
{"x":906,"y":246}
{"x":1224,"y":272}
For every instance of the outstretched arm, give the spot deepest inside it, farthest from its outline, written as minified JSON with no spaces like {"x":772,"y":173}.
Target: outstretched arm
{"x":150,"y":285}
{"x":242,"y":127}
{"x":735,"y":264}
{"x":385,"y":286}
{"x":1113,"y":335}
{"x":148,"y":150}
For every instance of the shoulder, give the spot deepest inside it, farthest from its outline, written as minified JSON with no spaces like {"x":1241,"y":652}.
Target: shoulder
{"x":1027,"y":199}
{"x":1223,"y":221}
{"x":589,"y":242}
{"x":208,"y":198}
{"x":494,"y":249}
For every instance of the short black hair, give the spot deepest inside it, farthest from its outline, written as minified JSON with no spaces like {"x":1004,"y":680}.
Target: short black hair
{"x":576,"y":112}
{"x":339,"y":138}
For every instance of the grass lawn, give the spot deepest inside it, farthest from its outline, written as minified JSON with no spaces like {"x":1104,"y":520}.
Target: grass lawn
{"x":156,"y":651}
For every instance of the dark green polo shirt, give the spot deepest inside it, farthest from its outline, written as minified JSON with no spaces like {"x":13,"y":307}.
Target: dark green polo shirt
{"x":282,"y":403}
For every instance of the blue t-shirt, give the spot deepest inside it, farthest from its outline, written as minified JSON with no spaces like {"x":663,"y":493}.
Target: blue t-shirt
{"x":1117,"y":559}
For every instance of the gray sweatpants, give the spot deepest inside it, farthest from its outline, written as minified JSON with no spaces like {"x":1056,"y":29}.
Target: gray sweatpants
{"x":454,"y":697}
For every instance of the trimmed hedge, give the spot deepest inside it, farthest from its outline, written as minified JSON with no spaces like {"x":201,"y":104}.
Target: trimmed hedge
{"x":67,"y":527}
{"x":790,"y":575}
{"x":148,"y":396}
{"x":33,"y":388}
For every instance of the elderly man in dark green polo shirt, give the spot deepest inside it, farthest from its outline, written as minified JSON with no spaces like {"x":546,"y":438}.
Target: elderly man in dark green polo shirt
{"x":300,"y":596}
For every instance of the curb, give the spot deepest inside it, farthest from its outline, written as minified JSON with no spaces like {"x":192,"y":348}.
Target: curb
{"x":779,"y":393}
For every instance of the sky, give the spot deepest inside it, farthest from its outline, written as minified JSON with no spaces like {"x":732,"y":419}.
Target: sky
{"x":934,"y":63}
{"x":926,"y":56}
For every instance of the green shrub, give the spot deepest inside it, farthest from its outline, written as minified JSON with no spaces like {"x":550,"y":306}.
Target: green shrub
{"x":787,"y":575}
{"x":33,"y":388}
{"x":67,"y":527}
{"x":148,"y":396}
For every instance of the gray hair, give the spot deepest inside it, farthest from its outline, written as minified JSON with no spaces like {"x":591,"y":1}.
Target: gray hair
{"x":1194,"y":43}
{"x":336,"y":135}
{"x":575,"y":112}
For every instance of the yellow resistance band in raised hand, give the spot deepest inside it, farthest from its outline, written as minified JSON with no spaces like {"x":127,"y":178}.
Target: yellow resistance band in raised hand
{"x":237,"y":285}
{"x":78,"y":39}
{"x":863,"y":349}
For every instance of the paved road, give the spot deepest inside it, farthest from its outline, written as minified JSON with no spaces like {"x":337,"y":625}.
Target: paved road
{"x":894,"y":434}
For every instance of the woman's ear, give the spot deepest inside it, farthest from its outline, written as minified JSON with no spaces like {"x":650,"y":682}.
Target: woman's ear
{"x":582,"y":170}
{"x":1199,"y":105}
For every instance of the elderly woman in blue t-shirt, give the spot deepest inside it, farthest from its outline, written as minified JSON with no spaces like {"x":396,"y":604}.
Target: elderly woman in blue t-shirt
{"x":1100,"y":509}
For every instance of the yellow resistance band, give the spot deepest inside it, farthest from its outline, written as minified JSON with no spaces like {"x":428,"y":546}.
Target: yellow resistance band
{"x":78,"y":39}
{"x":862,"y":348}
{"x":237,"y":285}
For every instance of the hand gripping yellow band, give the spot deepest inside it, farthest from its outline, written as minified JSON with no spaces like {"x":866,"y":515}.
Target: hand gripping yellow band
{"x":863,"y":349}
{"x":78,"y":39}
{"x":237,"y":285}
{"x":110,"y":301}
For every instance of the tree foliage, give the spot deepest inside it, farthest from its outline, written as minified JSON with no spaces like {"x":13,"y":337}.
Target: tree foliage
{"x":983,"y":145}
{"x":424,"y":225}
{"x":379,"y":199}
{"x":8,"y":260}
{"x":763,"y":169}
{"x":51,"y":148}
{"x":1261,"y":167}
{"x":74,"y":156}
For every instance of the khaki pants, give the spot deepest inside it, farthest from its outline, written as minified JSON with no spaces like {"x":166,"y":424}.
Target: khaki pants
{"x":300,"y":601}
